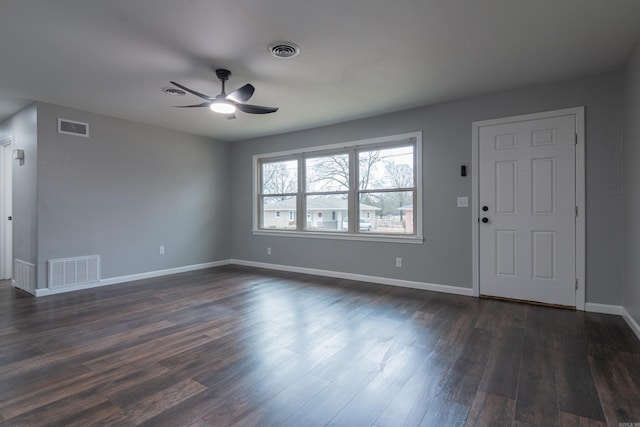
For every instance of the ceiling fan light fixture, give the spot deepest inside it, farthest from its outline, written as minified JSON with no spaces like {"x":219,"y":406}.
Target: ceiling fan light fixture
{"x":222,"y":107}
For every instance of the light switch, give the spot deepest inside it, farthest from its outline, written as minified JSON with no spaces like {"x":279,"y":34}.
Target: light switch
{"x":463,"y":202}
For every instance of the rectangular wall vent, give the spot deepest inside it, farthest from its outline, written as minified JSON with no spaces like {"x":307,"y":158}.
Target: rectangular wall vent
{"x":74,"y":271}
{"x":71,"y":127}
{"x":24,"y":276}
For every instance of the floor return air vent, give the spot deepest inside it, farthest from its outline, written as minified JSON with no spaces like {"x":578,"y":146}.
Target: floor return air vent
{"x":74,"y":271}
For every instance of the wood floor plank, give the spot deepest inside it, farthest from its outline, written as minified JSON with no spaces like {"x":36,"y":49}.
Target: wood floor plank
{"x":325,"y":405}
{"x":464,"y":379}
{"x":151,"y":351}
{"x":151,"y":406}
{"x":246,"y":346}
{"x":277,"y":409}
{"x":619,"y":394}
{"x":536,"y":400}
{"x":501,"y":374}
{"x":116,"y":380}
{"x":491,"y":410}
{"x":572,"y":420}
{"x":54,"y":414}
{"x":576,"y":388}
{"x":373,"y":398}
{"x":99,"y":414}
{"x":442,"y":412}
{"x":410,"y":405}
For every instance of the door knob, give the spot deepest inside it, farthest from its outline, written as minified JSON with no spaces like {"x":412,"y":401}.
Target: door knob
{"x":485,"y":220}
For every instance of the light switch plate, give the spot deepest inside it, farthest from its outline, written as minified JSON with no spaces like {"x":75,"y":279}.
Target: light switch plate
{"x":463,"y":202}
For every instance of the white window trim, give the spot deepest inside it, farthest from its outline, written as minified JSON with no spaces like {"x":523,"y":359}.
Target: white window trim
{"x":418,"y":238}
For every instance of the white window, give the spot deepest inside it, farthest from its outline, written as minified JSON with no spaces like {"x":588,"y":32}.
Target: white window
{"x":359,"y":189}
{"x":278,"y":189}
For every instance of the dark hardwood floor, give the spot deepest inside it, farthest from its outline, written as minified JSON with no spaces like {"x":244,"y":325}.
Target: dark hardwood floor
{"x":235,"y":346}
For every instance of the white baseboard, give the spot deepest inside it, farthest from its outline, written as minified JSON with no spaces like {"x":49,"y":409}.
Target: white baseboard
{"x":337,"y":274}
{"x":603,"y":308}
{"x":129,"y":278}
{"x":635,"y":327}
{"x":360,"y":277}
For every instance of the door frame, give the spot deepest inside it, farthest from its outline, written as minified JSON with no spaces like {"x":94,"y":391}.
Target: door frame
{"x":578,"y":113}
{"x":6,"y":257}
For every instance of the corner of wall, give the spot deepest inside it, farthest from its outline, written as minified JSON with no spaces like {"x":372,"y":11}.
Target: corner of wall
{"x":631,"y":190}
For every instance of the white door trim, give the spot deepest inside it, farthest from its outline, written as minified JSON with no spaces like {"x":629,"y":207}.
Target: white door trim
{"x":578,"y":112}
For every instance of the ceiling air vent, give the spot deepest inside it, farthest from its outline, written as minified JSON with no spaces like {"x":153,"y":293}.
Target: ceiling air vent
{"x":284,"y":49}
{"x":70,"y":127}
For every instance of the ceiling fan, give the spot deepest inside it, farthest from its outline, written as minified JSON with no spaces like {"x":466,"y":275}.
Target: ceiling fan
{"x":227,"y":104}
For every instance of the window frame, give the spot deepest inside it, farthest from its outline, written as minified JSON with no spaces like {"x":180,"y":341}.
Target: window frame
{"x":353,"y":148}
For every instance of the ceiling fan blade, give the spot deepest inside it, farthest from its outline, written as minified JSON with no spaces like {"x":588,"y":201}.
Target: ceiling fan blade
{"x":196,"y":93}
{"x":256,"y":109}
{"x":204,"y":104}
{"x":243,"y":94}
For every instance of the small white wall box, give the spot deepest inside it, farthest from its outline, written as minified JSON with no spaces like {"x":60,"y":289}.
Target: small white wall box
{"x":18,"y":154}
{"x":71,"y":127}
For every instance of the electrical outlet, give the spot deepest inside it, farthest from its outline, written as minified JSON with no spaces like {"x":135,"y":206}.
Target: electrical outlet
{"x":399,"y":262}
{"x":268,"y":251}
{"x":161,"y":250}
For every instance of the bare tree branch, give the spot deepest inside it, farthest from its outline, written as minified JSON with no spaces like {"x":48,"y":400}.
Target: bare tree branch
{"x":367,"y":162}
{"x":330,"y":173}
{"x":277,"y":178}
{"x":400,"y":175}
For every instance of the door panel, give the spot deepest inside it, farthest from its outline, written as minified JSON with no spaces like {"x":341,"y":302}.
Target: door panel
{"x":506,"y":253}
{"x":506,"y":187}
{"x":527,"y":184}
{"x":6,"y":225}
{"x":543,"y":186}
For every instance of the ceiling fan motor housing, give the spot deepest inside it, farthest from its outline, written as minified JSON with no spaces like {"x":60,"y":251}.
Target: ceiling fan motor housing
{"x":223,"y":74}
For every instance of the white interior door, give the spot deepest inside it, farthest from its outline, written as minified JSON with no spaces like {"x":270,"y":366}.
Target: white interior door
{"x":527,"y":210}
{"x":6,"y":229}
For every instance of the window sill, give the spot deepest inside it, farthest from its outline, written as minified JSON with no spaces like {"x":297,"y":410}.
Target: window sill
{"x":415,"y":240}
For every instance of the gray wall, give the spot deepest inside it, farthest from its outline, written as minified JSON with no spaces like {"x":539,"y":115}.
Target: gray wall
{"x":631,"y":291}
{"x":125,"y":191}
{"x":22,"y":128}
{"x":445,"y":258}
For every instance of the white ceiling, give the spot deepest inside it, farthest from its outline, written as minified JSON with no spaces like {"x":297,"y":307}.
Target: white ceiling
{"x":359,"y":57}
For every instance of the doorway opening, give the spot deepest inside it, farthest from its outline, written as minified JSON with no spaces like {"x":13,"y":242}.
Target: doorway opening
{"x":6,"y":215}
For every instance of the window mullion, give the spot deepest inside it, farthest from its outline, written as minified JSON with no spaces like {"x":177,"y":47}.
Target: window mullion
{"x":387,"y":190}
{"x":301,"y":200}
{"x":414,"y":212}
{"x":259,"y":202}
{"x":352,"y":204}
